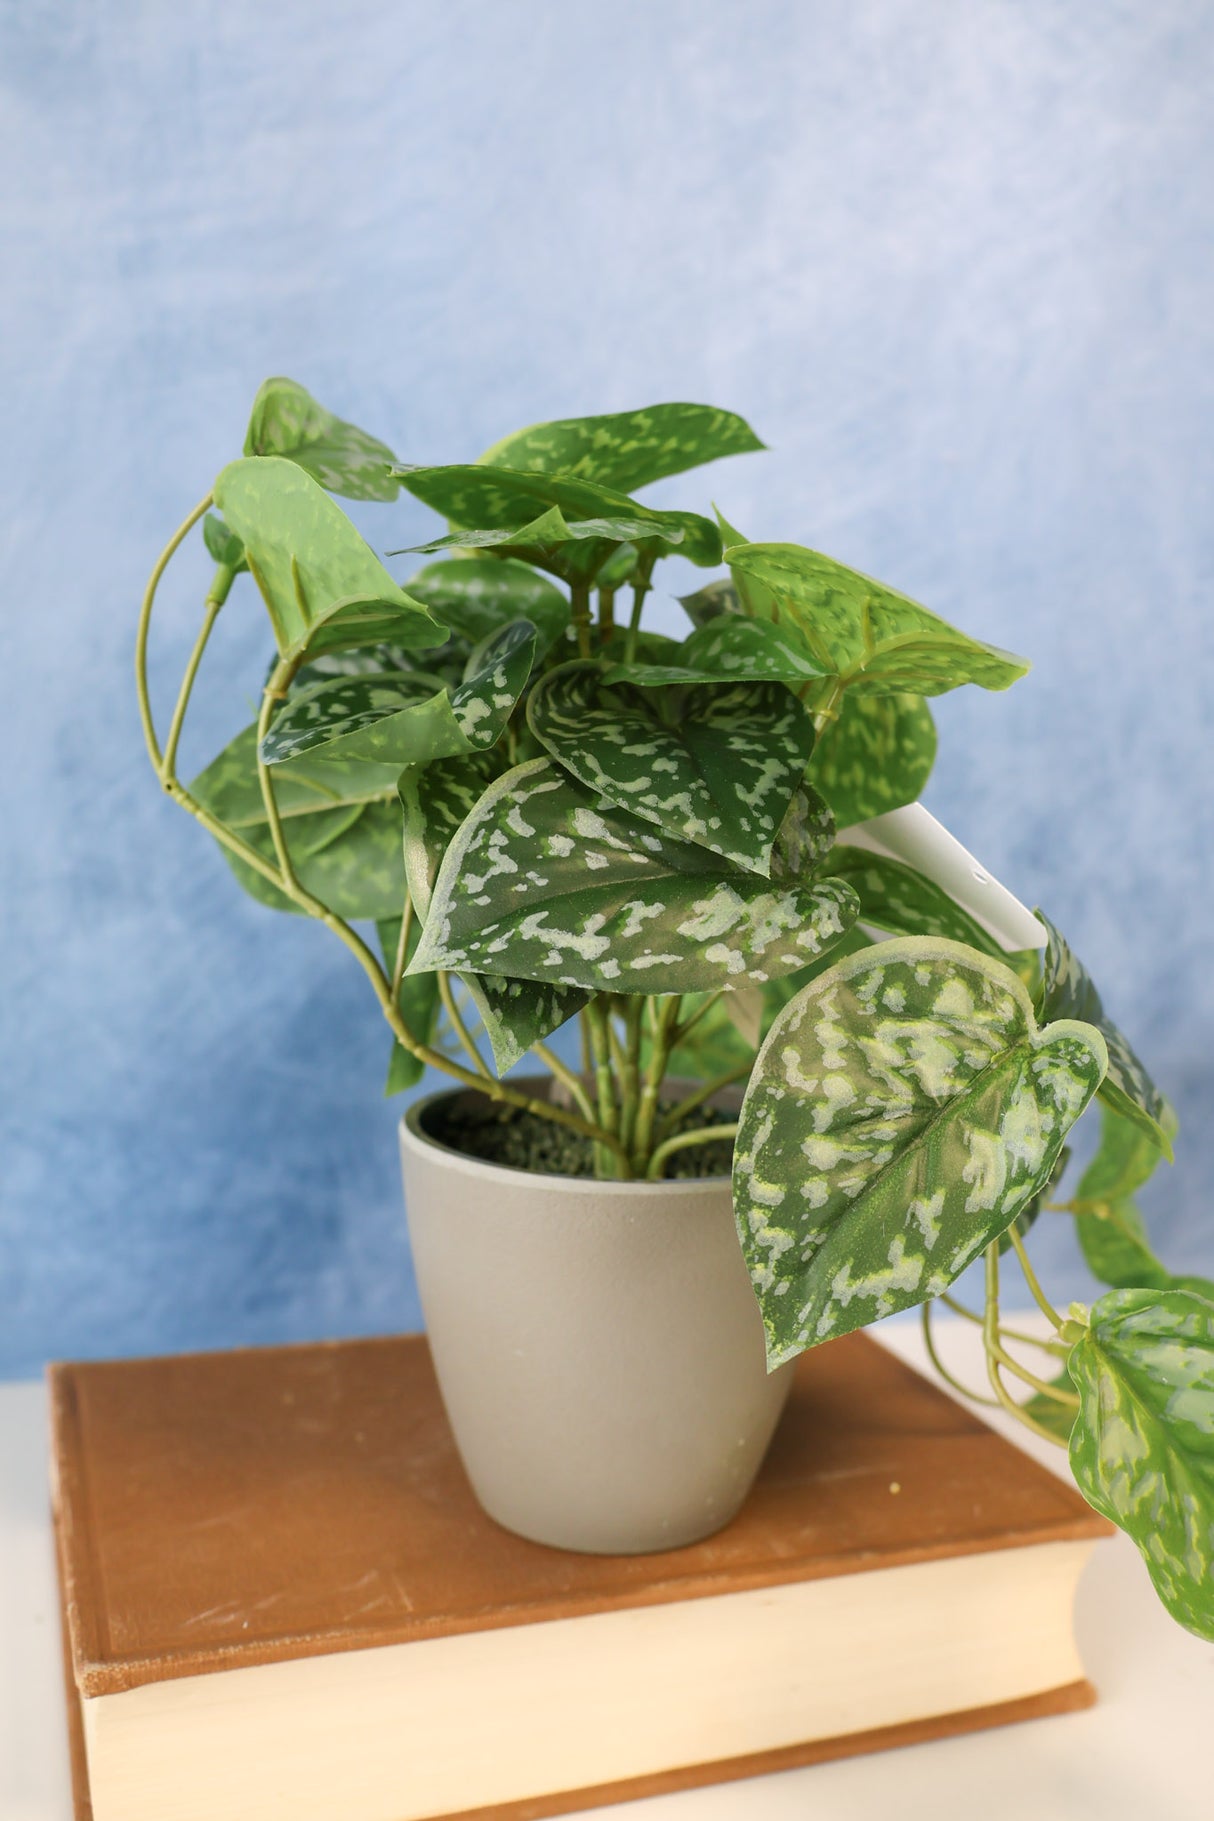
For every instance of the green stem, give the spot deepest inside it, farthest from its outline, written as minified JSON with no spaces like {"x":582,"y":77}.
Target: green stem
{"x":1030,"y":1278}
{"x":145,"y":620}
{"x":402,"y":946}
{"x":565,"y":1076}
{"x":580,"y":601}
{"x":169,"y":762}
{"x":600,"y":1045}
{"x":1029,"y":1340}
{"x":829,"y":710}
{"x":630,"y":1074}
{"x":456,"y":1020}
{"x":640,"y":588}
{"x":930,"y":1344}
{"x":683,"y":1031}
{"x":990,"y":1339}
{"x":277,"y":685}
{"x":706,"y":1092}
{"x":666,"y":1021}
{"x":680,"y":1142}
{"x":1031,"y":1379}
{"x":606,"y":615}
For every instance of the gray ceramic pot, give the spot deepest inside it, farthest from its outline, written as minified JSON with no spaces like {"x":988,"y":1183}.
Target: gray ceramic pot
{"x":598,"y":1346}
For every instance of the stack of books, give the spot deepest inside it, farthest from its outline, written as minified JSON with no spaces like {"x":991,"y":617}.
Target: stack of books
{"x":282,"y":1603}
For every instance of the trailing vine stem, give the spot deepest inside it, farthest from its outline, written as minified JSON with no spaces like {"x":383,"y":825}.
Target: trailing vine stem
{"x":1030,"y":1278}
{"x":929,"y":1342}
{"x":290,"y":887}
{"x":996,"y":1358}
{"x":701,"y":1094}
{"x":456,"y":1020}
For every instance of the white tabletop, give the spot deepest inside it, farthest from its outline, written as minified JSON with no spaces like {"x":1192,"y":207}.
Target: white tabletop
{"x":1143,"y":1752}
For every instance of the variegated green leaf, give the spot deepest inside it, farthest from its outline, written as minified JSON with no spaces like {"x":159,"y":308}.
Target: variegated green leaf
{"x":875,"y":640}
{"x":626,"y":449}
{"x":711,"y":602}
{"x":398,"y":719}
{"x":576,"y":550}
{"x":1027,"y":1217}
{"x":901,"y":1112}
{"x":540,"y":883}
{"x":1142,"y":1449}
{"x":730,"y":649}
{"x":479,"y":595}
{"x":419,"y":1006}
{"x":441,"y":667}
{"x":482,"y":498}
{"x":288,"y":421}
{"x":715,"y":764}
{"x":435,"y":800}
{"x":1068,"y":991}
{"x":876,"y":755}
{"x":898,"y":899}
{"x":310,"y":787}
{"x":322,"y":585}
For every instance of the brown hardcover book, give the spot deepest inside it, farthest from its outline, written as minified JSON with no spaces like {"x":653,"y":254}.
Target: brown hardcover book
{"x":282,"y":1602}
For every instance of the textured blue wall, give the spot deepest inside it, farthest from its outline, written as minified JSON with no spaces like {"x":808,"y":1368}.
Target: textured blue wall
{"x":954,"y":262}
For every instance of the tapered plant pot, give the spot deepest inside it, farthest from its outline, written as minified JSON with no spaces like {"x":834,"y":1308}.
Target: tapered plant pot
{"x":598,"y":1346}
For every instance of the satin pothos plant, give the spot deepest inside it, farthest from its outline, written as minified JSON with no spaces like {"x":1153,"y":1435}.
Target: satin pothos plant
{"x":519,"y":807}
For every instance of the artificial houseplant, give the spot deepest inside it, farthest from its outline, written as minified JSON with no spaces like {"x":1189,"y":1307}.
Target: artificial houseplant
{"x":546,"y":812}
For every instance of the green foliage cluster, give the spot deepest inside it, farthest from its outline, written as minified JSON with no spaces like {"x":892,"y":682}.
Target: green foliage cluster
{"x":548,"y":812}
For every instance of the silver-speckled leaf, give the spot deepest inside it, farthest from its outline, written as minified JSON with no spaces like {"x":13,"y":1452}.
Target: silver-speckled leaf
{"x":499,"y":499}
{"x":478,"y":595}
{"x":398,"y":718}
{"x":419,"y":1007}
{"x":627,"y":449}
{"x":540,"y":883}
{"x":714,"y":763}
{"x":711,"y":601}
{"x":1067,"y":990}
{"x":876,"y":755}
{"x":878,"y":641}
{"x":896,"y":898}
{"x":901,"y":1112}
{"x":1142,"y":1449}
{"x":288,"y":421}
{"x":730,"y":649}
{"x":322,"y":585}
{"x":435,"y":800}
{"x":575,"y":551}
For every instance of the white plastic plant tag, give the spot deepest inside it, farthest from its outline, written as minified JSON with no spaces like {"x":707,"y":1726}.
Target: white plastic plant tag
{"x":913,"y":836}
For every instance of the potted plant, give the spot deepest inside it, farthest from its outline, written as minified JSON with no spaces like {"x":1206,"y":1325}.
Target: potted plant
{"x":549,"y":814}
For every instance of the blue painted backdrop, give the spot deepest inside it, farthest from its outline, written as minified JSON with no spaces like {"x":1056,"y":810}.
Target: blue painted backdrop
{"x":954,"y":262}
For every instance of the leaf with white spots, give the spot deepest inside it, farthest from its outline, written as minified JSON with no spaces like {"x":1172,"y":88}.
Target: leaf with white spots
{"x":902,"y":1111}
{"x":400,"y":718}
{"x":576,"y":550}
{"x":896,"y":898}
{"x":483,"y":498}
{"x":715,"y":764}
{"x":288,"y":421}
{"x":626,"y":449}
{"x":876,"y":755}
{"x":875,"y":640}
{"x":1068,"y":991}
{"x":1142,"y":1449}
{"x":542,"y":884}
{"x":478,"y":595}
{"x":323,"y":586}
{"x":436,"y":799}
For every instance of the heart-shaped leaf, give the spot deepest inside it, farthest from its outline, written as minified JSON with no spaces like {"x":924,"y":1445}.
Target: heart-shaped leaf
{"x":875,"y":640}
{"x":322,"y":585}
{"x":1068,"y":991}
{"x":901,"y":1112}
{"x":1142,"y":1449}
{"x":288,"y":421}
{"x":626,"y":449}
{"x":479,"y":595}
{"x":715,"y":764}
{"x":897,"y":898}
{"x":876,"y":755}
{"x":543,"y":885}
{"x":401,"y":719}
{"x":435,"y":800}
{"x":498,"y":499}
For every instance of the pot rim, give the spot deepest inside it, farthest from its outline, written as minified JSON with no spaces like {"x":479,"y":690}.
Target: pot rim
{"x":412,"y":1135}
